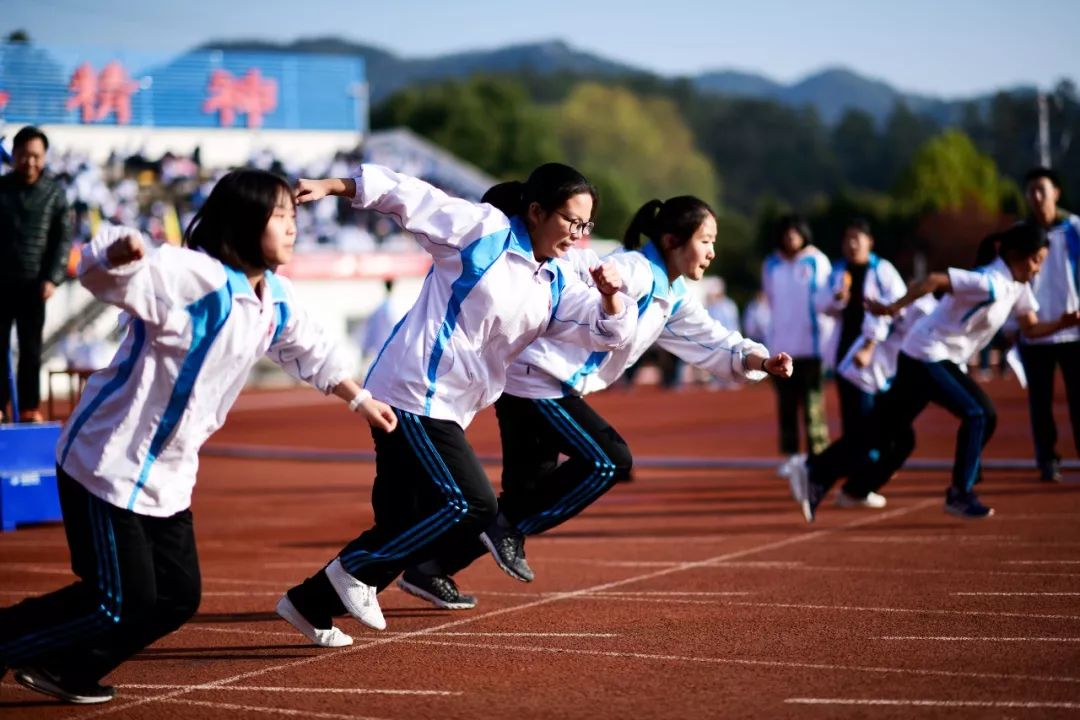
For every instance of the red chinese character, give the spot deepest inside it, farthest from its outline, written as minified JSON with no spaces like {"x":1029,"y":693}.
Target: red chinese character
{"x":83,"y":86}
{"x":252,"y":95}
{"x":4,"y":97}
{"x":115,"y":89}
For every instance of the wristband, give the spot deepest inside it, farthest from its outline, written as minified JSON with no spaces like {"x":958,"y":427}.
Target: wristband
{"x":361,"y":397}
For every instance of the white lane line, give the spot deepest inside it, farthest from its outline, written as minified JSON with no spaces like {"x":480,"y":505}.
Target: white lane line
{"x":329,"y":691}
{"x":38,"y":568}
{"x":1030,"y":594}
{"x":260,"y":709}
{"x":610,"y":563}
{"x":234,"y":581}
{"x":960,"y":539}
{"x":1042,"y":562}
{"x":754,"y":663}
{"x":632,"y":597}
{"x":894,"y":571}
{"x":945,"y":638}
{"x":913,"y":611}
{"x":241,"y":631}
{"x":1025,"y":704}
{"x":360,"y":647}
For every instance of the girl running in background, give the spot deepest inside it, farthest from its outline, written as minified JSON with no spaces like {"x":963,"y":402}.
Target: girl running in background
{"x":492,"y":290}
{"x":795,"y":281}
{"x":127,"y":458}
{"x":543,"y":412}
{"x":975,"y":306}
{"x":860,"y":275}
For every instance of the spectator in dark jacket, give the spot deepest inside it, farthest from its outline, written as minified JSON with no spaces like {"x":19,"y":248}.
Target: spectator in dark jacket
{"x":35,"y":237}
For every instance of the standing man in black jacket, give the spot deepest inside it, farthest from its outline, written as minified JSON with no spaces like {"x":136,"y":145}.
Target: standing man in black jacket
{"x":35,"y":237}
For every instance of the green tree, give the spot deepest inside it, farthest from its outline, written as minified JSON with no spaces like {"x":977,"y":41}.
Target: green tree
{"x":490,"y":122}
{"x":633,"y":148}
{"x":948,"y":172}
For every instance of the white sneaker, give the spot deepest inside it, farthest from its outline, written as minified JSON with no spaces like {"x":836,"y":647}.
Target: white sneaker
{"x":872,"y":500}
{"x":798,"y":477}
{"x":359,"y":599}
{"x":323,"y":638}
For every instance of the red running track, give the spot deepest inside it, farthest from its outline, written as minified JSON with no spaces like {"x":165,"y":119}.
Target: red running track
{"x":687,"y":593}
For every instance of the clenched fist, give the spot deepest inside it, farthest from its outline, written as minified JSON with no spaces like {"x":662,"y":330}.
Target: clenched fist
{"x":607,"y":278}
{"x":126,"y":249}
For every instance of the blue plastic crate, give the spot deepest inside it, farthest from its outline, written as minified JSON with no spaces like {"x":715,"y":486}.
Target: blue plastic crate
{"x":28,"y":474}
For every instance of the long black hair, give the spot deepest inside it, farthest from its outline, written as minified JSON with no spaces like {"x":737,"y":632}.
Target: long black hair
{"x":679,"y":217}
{"x":229,"y":226}
{"x":549,"y":186}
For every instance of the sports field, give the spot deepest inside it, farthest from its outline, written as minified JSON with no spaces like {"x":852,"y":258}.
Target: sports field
{"x":695,"y":591}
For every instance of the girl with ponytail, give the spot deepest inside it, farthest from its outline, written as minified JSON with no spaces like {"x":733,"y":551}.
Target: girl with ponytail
{"x":543,"y":412}
{"x":494,"y":288}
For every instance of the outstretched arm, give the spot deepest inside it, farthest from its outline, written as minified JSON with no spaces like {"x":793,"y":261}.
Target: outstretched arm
{"x":934,"y":282}
{"x":1032,"y":328}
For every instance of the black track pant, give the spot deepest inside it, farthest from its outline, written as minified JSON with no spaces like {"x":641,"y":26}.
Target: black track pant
{"x":138,"y":581}
{"x":539,"y":492}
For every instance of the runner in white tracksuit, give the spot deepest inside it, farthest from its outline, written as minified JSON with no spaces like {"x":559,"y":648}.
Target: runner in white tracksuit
{"x":493,"y":289}
{"x":795,"y":281}
{"x":543,"y":413}
{"x":858,"y":276}
{"x":128,"y":456}
{"x":975,"y":306}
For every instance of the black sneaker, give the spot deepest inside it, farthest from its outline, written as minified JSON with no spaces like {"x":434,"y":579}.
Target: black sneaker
{"x":507,"y":546}
{"x":439,"y":590}
{"x":45,"y":682}
{"x":966,"y":505}
{"x":1051,"y":473}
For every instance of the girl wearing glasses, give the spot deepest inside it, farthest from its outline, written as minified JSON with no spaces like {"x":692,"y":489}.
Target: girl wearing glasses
{"x":492,"y":290}
{"x":543,"y":413}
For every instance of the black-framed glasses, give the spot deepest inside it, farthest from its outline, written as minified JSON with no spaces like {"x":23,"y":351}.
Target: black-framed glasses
{"x":578,"y":227}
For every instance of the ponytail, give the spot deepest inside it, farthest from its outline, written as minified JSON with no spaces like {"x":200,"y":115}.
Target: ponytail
{"x":549,"y":186}
{"x":679,"y":217}
{"x":644,"y":223}
{"x":506,"y":196}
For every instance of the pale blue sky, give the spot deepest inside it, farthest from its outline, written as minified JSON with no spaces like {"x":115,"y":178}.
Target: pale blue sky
{"x":938,"y":47}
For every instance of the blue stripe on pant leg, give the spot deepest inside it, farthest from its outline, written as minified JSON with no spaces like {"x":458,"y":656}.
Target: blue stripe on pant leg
{"x":531,"y":524}
{"x":591,"y":487}
{"x":456,"y":501}
{"x":423,"y":530}
{"x":28,"y":646}
{"x":954,"y":389}
{"x":432,"y":526}
{"x":595,"y":483}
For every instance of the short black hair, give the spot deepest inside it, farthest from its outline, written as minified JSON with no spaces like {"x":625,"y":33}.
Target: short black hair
{"x":796,"y":222}
{"x":1042,"y":172}
{"x":27,"y":134}
{"x":859,"y":224}
{"x":229,"y":226}
{"x":1022,"y":240}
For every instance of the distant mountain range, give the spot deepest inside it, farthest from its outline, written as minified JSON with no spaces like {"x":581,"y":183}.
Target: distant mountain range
{"x":831,"y":91}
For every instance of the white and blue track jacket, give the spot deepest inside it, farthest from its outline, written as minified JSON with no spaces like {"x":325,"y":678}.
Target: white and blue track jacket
{"x":798,"y":292}
{"x":878,"y":375}
{"x":484,"y":301}
{"x":882,"y":282}
{"x":197,"y":329}
{"x":1057,"y":286}
{"x":667,"y":315}
{"x":965,"y":320}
